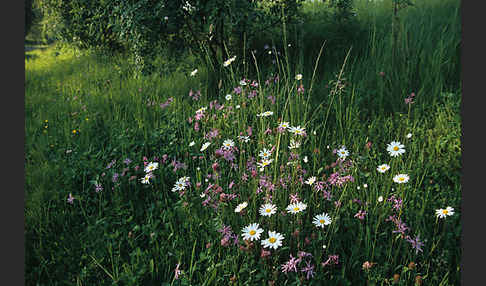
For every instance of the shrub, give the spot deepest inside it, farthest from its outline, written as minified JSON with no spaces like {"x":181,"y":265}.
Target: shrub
{"x":207,"y":28}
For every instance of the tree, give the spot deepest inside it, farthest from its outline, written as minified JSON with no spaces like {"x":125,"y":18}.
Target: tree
{"x":29,"y":16}
{"x":209,"y":28}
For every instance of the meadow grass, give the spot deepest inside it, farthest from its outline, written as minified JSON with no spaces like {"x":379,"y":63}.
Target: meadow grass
{"x":91,"y":128}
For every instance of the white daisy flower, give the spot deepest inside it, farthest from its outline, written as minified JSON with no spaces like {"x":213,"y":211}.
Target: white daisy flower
{"x":184,"y":179}
{"x":264,"y":163}
{"x":365,"y":186}
{"x":383,"y":168}
{"x":284,"y":125}
{"x":228,"y":143}
{"x":298,"y":76}
{"x":180,"y":184}
{"x":343,"y":152}
{"x":296,"y":207}
{"x":409,"y":135}
{"x":294,"y":144}
{"x":265,"y":114}
{"x":244,"y":138}
{"x":305,"y":159}
{"x":205,"y":146}
{"x":442,"y":213}
{"x":201,"y":110}
{"x":252,"y":232}
{"x":401,"y":178}
{"x":274,"y":240}
{"x":268,"y":209}
{"x":192,"y":143}
{"x":265,"y":153}
{"x":188,"y":7}
{"x":297,"y":130}
{"x":152,"y":166}
{"x":395,"y":148}
{"x":242,"y":82}
{"x":146,"y":179}
{"x":228,"y":97}
{"x":380,"y":199}
{"x":193,"y":73}
{"x":238,"y":106}
{"x":311,"y":180}
{"x":321,"y":220}
{"x":229,"y":61}
{"x":240,"y":207}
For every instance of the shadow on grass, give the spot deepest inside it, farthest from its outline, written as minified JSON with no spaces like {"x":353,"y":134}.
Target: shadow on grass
{"x":30,"y":56}
{"x":32,"y":47}
{"x":29,"y":48}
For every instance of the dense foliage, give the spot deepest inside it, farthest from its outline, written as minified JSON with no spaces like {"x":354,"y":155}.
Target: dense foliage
{"x":29,"y":16}
{"x":207,"y":28}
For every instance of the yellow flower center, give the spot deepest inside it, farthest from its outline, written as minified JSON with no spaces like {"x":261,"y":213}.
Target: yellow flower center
{"x":395,"y":148}
{"x":296,"y":209}
{"x":272,"y":239}
{"x":268,"y":210}
{"x":401,"y":179}
{"x":445,"y":211}
{"x":322,"y":221}
{"x":252,"y":232}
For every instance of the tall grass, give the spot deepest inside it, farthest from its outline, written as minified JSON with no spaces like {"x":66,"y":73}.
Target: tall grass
{"x":428,"y":57}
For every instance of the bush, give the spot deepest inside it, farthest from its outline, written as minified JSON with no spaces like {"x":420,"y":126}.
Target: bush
{"x":29,"y":16}
{"x":208,"y":28}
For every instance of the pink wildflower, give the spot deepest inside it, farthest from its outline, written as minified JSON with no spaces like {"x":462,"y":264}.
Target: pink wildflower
{"x":291,"y":264}
{"x":331,"y":260}
{"x":360,"y":215}
{"x":70,"y":199}
{"x":177,"y":271}
{"x":264,"y":253}
{"x":309,"y":270}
